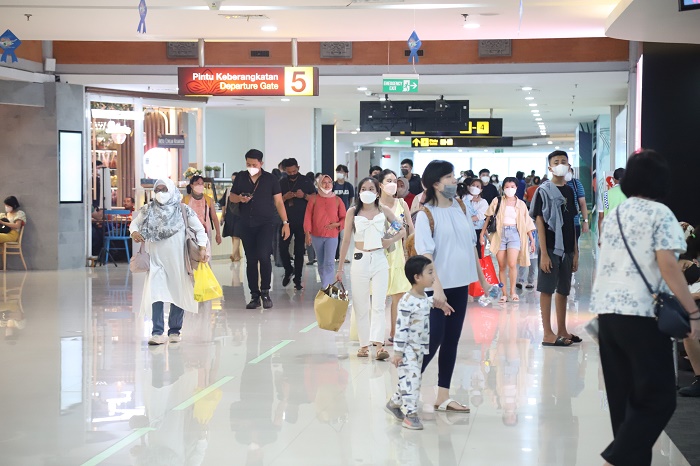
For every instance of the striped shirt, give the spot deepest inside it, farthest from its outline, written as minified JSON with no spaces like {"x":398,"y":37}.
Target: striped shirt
{"x":577,"y":186}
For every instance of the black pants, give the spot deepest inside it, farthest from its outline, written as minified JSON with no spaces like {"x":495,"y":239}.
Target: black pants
{"x":445,"y":332}
{"x":296,"y":232}
{"x":478,"y":243}
{"x":257,"y":243}
{"x":637,"y":363}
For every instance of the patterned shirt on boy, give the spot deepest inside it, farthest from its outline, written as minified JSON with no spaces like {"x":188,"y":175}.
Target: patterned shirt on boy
{"x":413,"y":324}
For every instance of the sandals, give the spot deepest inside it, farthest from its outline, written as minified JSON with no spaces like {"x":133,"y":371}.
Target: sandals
{"x":574,"y":338}
{"x":382,"y":354}
{"x":515,"y":298}
{"x":363,"y":353}
{"x":445,"y":407}
{"x":560,"y":341}
{"x":503,"y":299}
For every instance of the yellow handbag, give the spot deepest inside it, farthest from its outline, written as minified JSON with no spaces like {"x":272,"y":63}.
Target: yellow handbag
{"x":206,"y":287}
{"x":331,"y":306}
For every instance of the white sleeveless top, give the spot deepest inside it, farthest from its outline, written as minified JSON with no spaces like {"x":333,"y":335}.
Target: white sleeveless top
{"x":370,"y":231}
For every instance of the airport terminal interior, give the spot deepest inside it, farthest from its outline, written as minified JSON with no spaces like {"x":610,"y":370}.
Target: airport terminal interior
{"x":111,"y":110}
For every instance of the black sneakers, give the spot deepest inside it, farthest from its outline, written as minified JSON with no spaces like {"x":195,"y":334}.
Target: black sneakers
{"x":254,"y":302}
{"x":691,"y":390}
{"x":266,"y":301}
{"x":287,"y":278}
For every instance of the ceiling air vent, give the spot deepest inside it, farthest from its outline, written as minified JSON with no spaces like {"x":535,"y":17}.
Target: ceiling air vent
{"x":259,"y":54}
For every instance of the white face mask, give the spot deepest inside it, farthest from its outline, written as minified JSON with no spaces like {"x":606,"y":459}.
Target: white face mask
{"x":253,"y":171}
{"x":485,"y":179}
{"x":368,"y":197}
{"x":162,"y":197}
{"x":390,"y":188}
{"x":560,"y":170}
{"x":325,"y":191}
{"x":198,"y":188}
{"x":474,"y":190}
{"x":510,"y":192}
{"x":8,"y":209}
{"x":568,"y":176}
{"x":340,"y":176}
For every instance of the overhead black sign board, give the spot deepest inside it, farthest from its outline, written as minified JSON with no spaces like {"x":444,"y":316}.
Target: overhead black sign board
{"x":172,"y":141}
{"x":415,"y":115}
{"x":473,"y":127}
{"x":460,"y":141}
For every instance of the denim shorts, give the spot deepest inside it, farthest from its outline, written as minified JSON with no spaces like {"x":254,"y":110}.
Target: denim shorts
{"x":510,"y":238}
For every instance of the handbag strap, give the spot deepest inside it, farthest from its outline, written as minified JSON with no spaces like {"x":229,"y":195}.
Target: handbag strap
{"x":624,"y":240}
{"x":340,"y":285}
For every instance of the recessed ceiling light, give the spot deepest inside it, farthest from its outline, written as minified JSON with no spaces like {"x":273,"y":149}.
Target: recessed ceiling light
{"x":538,"y":119}
{"x":550,"y":142}
{"x":571,"y":148}
{"x":353,"y":132}
{"x":535,"y":111}
{"x":459,"y":150}
{"x":358,"y":129}
{"x":428,"y":150}
{"x":284,"y":99}
{"x":529,"y":98}
{"x":526,"y":88}
{"x":388,"y":138}
{"x":532,"y":105}
{"x":362,"y":88}
{"x":396,"y":140}
{"x":556,"y":147}
{"x":486,"y":150}
{"x":268,"y":28}
{"x":534,"y":143}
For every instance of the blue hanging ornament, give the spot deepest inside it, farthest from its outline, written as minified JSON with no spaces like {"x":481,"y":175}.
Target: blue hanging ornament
{"x":9,"y":43}
{"x":414,"y":44}
{"x":143,"y":10}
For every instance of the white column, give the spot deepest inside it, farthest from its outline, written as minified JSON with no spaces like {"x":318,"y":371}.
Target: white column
{"x":290,"y":132}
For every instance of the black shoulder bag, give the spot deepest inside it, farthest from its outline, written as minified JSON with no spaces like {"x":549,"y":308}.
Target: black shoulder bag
{"x":491,"y":228}
{"x":670,"y":315}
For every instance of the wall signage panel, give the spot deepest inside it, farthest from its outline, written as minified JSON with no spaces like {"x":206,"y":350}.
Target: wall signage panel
{"x":461,"y":141}
{"x":248,"y":81}
{"x":473,"y":127}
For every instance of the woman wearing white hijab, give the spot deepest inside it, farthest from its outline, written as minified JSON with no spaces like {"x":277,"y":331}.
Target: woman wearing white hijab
{"x":160,"y":224}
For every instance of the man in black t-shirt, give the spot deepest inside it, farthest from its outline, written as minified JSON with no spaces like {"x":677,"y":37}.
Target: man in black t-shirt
{"x":345,"y":191}
{"x":414,"y":182}
{"x":296,"y":190}
{"x":554,"y":209}
{"x":260,"y":198}
{"x":489,"y":192}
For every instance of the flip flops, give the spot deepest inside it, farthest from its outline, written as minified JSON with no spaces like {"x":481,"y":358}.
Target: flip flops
{"x":446,"y":408}
{"x":560,"y":341}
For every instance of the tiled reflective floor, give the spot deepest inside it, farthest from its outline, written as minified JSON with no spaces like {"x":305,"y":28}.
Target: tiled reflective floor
{"x":81,"y":387}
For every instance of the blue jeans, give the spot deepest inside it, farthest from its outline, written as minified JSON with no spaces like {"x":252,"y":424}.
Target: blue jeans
{"x":174,"y":320}
{"x":325,"y":255}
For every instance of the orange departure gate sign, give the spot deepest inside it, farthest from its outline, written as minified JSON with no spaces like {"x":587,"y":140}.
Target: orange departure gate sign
{"x":249,"y":81}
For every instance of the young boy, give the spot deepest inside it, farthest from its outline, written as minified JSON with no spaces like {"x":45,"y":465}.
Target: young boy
{"x":554,"y":208}
{"x":411,"y":341}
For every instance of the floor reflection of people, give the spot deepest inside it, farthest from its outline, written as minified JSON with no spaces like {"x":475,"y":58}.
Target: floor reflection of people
{"x":511,"y":355}
{"x":170,"y":383}
{"x":12,"y":318}
{"x":562,"y":380}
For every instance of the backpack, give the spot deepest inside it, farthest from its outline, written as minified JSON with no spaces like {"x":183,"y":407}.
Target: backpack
{"x":410,"y":244}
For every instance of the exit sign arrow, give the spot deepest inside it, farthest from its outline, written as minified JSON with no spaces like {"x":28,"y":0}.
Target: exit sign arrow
{"x":400,"y":83}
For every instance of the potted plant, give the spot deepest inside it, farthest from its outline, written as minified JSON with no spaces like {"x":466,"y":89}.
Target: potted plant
{"x":190,"y":172}
{"x":209,"y":171}
{"x":217,"y":171}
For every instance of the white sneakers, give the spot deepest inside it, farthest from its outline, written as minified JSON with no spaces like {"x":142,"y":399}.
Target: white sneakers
{"x":162,"y":339}
{"x":157,"y":340}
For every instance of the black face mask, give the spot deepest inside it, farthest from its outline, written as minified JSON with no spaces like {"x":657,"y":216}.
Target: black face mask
{"x":692,"y":274}
{"x":404,"y":171}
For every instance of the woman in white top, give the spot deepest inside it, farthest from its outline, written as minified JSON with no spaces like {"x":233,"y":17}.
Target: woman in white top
{"x":398,"y":283}
{"x":16,"y":219}
{"x":477,"y":207}
{"x":451,"y":248}
{"x":514,"y":228}
{"x":370,"y":269}
{"x":636,"y":358}
{"x":160,"y":223}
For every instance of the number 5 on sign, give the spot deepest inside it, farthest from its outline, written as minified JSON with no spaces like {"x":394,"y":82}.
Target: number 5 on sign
{"x":300,"y":81}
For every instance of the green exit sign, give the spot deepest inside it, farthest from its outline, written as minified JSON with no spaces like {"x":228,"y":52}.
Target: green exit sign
{"x":399,"y":84}
{"x":498,"y":151}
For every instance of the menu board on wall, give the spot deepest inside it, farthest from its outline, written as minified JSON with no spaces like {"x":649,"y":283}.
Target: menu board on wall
{"x":249,"y":81}
{"x":70,"y":166}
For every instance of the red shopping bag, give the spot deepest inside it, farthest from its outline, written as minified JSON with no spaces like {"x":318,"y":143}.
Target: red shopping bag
{"x":475,"y":289}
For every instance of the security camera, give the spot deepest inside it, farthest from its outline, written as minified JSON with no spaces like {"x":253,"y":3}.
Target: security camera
{"x":214,"y":5}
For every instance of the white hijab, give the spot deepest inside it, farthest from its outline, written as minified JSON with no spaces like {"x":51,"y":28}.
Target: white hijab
{"x":161,"y":221}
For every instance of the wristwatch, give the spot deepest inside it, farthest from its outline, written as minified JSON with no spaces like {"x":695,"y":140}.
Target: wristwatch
{"x":585,"y":220}
{"x":285,"y":222}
